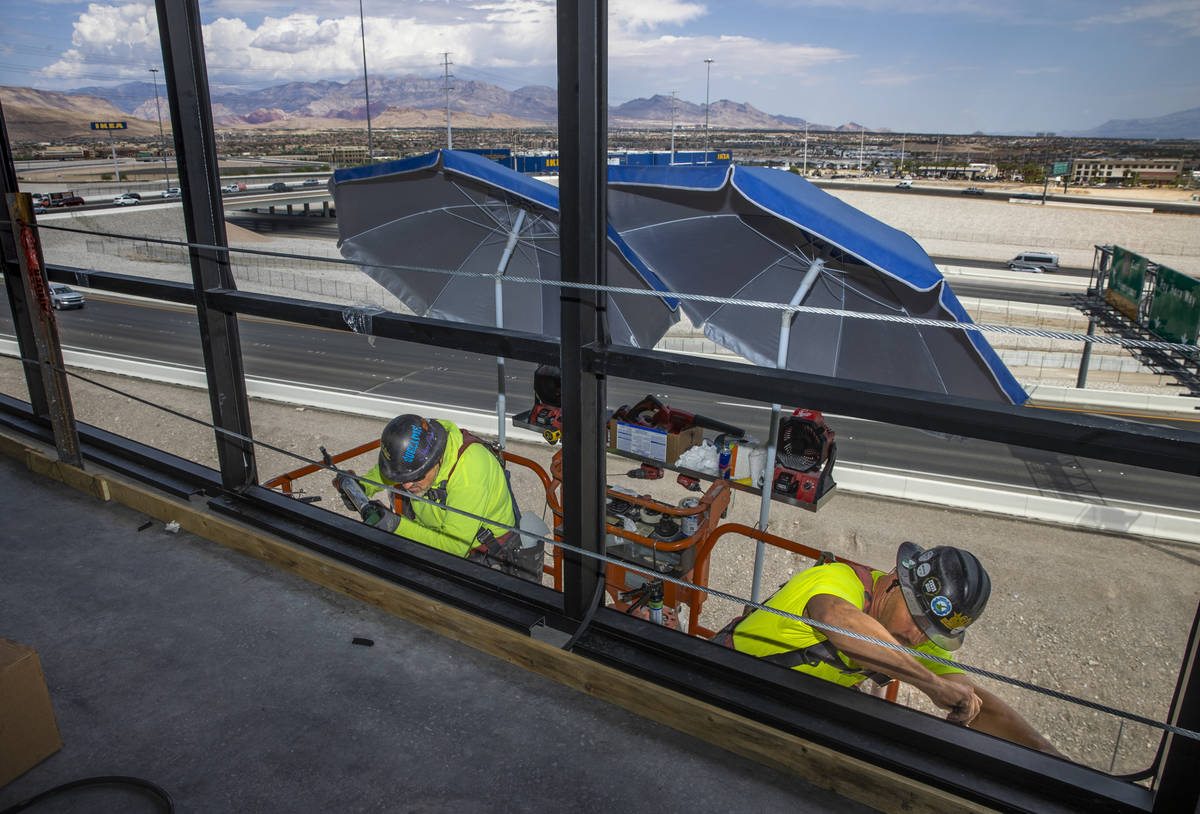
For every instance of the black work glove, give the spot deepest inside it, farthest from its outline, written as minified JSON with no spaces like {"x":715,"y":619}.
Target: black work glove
{"x":337,"y":485}
{"x":373,"y":512}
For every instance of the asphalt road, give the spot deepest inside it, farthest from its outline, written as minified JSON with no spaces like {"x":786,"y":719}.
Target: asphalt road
{"x":159,"y":332}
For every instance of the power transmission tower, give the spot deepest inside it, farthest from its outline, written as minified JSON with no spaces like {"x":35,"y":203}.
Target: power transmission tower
{"x":446,"y":63}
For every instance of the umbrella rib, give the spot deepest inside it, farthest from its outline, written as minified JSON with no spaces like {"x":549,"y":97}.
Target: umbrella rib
{"x":881,"y":303}
{"x":661,"y":223}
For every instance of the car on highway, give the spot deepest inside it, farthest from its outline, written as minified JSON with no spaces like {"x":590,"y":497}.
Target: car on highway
{"x":40,"y":210}
{"x":63,"y":296}
{"x":171,"y":192}
{"x":904,"y":185}
{"x":972,"y":191}
{"x":233,"y":188}
{"x":310,"y":182}
{"x":279,"y":186}
{"x":126,"y":200}
{"x":1025,"y":195}
{"x":1037,"y":262}
{"x":74,"y":200}
{"x":132,"y":195}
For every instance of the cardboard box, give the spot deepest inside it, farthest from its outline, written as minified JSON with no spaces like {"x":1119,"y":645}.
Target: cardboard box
{"x":658,"y":445}
{"x":28,"y":731}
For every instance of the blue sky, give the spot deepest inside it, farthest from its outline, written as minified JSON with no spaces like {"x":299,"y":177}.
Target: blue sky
{"x":912,"y":65}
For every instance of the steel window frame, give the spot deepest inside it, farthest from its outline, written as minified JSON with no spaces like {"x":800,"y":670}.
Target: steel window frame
{"x":975,"y":766}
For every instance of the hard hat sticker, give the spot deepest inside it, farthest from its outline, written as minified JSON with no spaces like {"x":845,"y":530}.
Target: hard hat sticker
{"x":925,"y":556}
{"x":940,"y":606}
{"x":907,"y":563}
{"x":923,"y":569}
{"x":931,"y":586}
{"x":957,"y":622}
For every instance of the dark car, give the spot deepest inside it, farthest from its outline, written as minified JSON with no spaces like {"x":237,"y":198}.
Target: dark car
{"x":63,"y":296}
{"x":278,"y":186}
{"x":1025,"y":195}
{"x":40,"y":210}
{"x":73,"y":201}
{"x":972,"y":191}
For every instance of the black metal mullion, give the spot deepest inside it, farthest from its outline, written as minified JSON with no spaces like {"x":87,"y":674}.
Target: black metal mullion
{"x":1176,"y":787}
{"x":195,"y":148}
{"x":21,"y":312}
{"x":583,"y":176}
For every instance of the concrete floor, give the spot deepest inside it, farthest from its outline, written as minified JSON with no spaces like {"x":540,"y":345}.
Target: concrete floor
{"x":236,"y":687}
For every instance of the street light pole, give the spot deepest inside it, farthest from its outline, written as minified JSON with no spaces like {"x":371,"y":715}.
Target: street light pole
{"x":362,"y":27}
{"x":805,"y":172}
{"x":707,"y":81}
{"x":161,"y":138}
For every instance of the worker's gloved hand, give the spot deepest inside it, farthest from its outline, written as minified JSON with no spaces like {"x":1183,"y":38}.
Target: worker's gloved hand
{"x":337,"y":484}
{"x":959,"y":700}
{"x":372,"y":512}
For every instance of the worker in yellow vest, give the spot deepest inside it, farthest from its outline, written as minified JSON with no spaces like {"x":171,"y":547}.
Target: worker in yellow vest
{"x":925,"y":603}
{"x":452,"y":469}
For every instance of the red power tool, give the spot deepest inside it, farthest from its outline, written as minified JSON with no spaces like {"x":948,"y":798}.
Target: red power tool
{"x":804,"y":457}
{"x":650,"y":412}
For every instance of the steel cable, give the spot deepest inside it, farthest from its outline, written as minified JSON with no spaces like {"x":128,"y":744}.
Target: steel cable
{"x":647,"y":292}
{"x":1061,"y":696}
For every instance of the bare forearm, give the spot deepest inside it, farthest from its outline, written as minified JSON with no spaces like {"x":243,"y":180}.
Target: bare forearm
{"x":999,"y":719}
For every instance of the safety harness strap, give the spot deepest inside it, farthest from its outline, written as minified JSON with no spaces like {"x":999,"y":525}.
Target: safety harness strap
{"x":822,"y":652}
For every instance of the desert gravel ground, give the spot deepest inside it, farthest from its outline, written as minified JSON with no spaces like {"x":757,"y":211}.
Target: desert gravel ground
{"x":1099,"y":616}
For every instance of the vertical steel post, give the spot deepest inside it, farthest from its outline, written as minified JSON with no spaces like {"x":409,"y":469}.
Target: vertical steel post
{"x":204,"y":216}
{"x":48,"y":351}
{"x":514,"y":235}
{"x":583,"y":177}
{"x":22,"y":309}
{"x":1176,"y":788}
{"x":1086,"y":358}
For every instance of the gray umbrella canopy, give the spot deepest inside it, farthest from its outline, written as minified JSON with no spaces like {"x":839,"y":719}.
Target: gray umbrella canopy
{"x":751,"y":233}
{"x":460,"y":212}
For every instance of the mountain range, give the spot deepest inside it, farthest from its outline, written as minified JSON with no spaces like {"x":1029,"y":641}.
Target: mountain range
{"x":1181,"y":124}
{"x":413,"y":101}
{"x":408,"y":101}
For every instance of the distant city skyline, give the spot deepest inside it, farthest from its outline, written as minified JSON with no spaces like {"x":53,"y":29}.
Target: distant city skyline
{"x":954,"y":66}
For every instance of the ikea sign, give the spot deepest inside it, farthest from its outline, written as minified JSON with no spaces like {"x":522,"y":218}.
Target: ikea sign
{"x":109,"y":126}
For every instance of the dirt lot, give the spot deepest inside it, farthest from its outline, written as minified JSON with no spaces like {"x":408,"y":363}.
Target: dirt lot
{"x":1099,"y":616}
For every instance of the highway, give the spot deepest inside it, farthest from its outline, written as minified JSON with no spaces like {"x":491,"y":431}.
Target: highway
{"x":298,"y":354}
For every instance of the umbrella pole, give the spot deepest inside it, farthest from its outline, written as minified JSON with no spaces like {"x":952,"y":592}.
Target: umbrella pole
{"x":785,"y":334}
{"x":501,"y":267}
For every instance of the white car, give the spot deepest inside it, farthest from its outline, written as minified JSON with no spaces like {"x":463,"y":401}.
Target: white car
{"x":172,"y":192}
{"x":126,"y":200}
{"x":231,"y":188}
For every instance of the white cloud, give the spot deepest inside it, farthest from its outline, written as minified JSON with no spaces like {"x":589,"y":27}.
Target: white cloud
{"x":1182,"y":16}
{"x":121,"y":39}
{"x":410,"y":36}
{"x":298,"y":32}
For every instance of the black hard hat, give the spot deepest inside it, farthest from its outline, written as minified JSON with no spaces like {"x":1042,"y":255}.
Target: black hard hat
{"x":945,"y":588}
{"x":409,"y":447}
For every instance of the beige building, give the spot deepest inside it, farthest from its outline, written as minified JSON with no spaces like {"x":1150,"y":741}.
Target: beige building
{"x":342,"y":154}
{"x":1156,"y":171}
